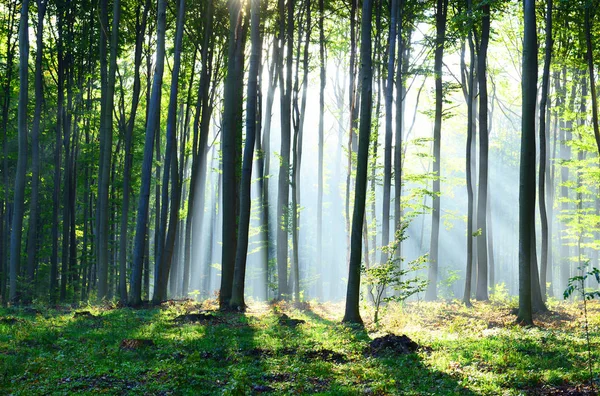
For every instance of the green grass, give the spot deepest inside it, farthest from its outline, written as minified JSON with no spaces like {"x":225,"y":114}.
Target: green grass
{"x":464,"y":351}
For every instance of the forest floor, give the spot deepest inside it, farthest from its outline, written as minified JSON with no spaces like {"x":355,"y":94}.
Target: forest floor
{"x":189,"y":348}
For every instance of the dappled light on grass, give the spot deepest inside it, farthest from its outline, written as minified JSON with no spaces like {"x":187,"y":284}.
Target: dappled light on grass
{"x":279,"y":348}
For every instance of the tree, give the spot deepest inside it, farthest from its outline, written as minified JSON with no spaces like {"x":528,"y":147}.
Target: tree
{"x":106,"y":140}
{"x":323,"y":82}
{"x":482,"y":241}
{"x":352,"y":314}
{"x":237,"y":298}
{"x":167,"y":236}
{"x":389,"y":97}
{"x":19,"y":200}
{"x":229,"y":158}
{"x":440,"y":27}
{"x":543,"y":148}
{"x":283,"y":217}
{"x":135,"y":296}
{"x":469,"y":85}
{"x":527,"y":166}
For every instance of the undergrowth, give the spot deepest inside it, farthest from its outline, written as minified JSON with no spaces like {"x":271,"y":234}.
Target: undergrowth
{"x":151,"y":351}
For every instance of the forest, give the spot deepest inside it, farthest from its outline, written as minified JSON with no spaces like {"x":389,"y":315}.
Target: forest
{"x":299,"y":196}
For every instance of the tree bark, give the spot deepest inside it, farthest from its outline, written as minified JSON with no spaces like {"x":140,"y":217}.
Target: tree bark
{"x":171,"y":171}
{"x":237,"y":299}
{"x":19,"y":197}
{"x":389,"y":132}
{"x":352,"y":314}
{"x":440,"y":22}
{"x":32,"y":236}
{"x":229,"y":161}
{"x":481,"y":293}
{"x":106,"y":138}
{"x":527,"y":166}
{"x":151,"y":128}
{"x":543,"y":155}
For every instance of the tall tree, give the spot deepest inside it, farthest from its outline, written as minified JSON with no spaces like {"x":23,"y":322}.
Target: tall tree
{"x":323,"y":82}
{"x":527,"y":165}
{"x":543,"y":150}
{"x":387,"y":160}
{"x":237,"y":299}
{"x":170,"y":173}
{"x":32,"y":236}
{"x":229,"y":157}
{"x":352,"y":314}
{"x":286,"y":130}
{"x":19,"y":200}
{"x":106,"y":140}
{"x":482,"y":196}
{"x":440,"y":39}
{"x":469,"y":84}
{"x":140,"y":32}
{"x":135,"y":297}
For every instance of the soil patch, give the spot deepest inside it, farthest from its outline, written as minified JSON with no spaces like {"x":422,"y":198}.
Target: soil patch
{"x":200,"y":318}
{"x":326,"y":355}
{"x":135,"y":343}
{"x":567,"y":389}
{"x":285,"y":320}
{"x":391,"y":343}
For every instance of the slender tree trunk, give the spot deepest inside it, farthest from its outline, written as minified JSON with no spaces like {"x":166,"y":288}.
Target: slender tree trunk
{"x":237,"y":299}
{"x":106,"y":138}
{"x":284,"y":171}
{"x":229,"y":161}
{"x":151,"y":128}
{"x":167,"y":235}
{"x":19,"y":200}
{"x":353,"y":116}
{"x":32,"y":237}
{"x":4,"y":208}
{"x":123,"y":239}
{"x":481,"y":293}
{"x":543,"y":155}
{"x":352,"y":313}
{"x":440,"y":18}
{"x":320,"y":181}
{"x":527,"y":167}
{"x":468,"y":166}
{"x":389,"y":132}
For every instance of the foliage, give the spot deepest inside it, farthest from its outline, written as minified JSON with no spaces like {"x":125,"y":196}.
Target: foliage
{"x":463,"y":351}
{"x":577,"y":284}
{"x":390,"y":274}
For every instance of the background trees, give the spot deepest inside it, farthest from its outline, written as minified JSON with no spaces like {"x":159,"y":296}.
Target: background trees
{"x":99,"y":151}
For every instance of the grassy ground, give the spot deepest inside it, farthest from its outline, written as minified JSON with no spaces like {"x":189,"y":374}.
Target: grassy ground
{"x":125,"y":351}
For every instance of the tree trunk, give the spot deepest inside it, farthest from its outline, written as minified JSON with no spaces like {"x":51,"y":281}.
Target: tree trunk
{"x":167,"y":236}
{"x":106,"y":138}
{"x":527,"y":165}
{"x":440,"y":23}
{"x":151,"y":128}
{"x":543,"y":156}
{"x":123,"y":242}
{"x":19,"y":200}
{"x":389,"y":132}
{"x":237,"y":298}
{"x":470,"y":83}
{"x":352,"y":313}
{"x":228,"y":136}
{"x":481,"y":293}
{"x":32,"y":237}
{"x":323,"y":82}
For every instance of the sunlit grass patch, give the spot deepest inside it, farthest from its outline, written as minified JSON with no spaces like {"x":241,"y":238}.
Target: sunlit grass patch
{"x":462,"y":351}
